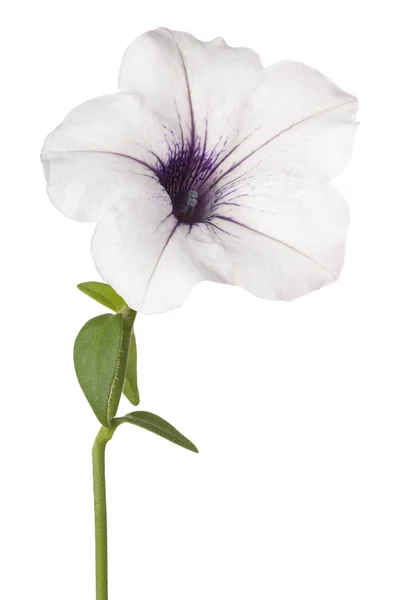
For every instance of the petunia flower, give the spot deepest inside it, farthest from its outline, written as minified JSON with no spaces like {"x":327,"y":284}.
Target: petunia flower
{"x":207,"y":166}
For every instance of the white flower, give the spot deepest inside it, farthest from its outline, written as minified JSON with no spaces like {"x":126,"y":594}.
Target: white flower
{"x":207,"y":166}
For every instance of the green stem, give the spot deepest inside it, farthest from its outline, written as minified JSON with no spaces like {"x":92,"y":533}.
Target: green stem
{"x":100,"y":510}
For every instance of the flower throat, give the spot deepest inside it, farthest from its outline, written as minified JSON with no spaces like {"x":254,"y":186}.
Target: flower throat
{"x":184,"y":172}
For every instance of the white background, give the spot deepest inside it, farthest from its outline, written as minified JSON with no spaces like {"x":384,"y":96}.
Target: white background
{"x":295,"y":407}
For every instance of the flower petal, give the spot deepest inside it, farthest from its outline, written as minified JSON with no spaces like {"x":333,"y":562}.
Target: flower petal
{"x":285,"y":239}
{"x":99,"y":153}
{"x":147,"y":255}
{"x":295,"y":118}
{"x":201,"y":82}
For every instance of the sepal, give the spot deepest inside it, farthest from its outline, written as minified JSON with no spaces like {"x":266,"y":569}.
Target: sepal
{"x":131,"y":390}
{"x":156,"y":425}
{"x":107,"y":296}
{"x":100,"y":358}
{"x":104,"y":294}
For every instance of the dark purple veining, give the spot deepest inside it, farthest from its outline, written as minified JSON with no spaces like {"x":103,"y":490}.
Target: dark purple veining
{"x":185,"y":175}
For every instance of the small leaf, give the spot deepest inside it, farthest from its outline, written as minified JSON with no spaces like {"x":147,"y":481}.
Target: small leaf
{"x":100,"y":355}
{"x":157,"y":425}
{"x":131,"y":390}
{"x":103,"y":293}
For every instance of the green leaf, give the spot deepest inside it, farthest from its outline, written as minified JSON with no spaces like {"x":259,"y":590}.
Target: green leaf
{"x":100,"y":355}
{"x":157,"y":425}
{"x":131,"y":390}
{"x":103,"y":293}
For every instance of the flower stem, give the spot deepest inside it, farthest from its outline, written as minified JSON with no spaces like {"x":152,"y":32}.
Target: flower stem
{"x":100,"y":510}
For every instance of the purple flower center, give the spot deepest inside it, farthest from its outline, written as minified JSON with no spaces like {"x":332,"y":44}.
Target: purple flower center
{"x":187,"y":174}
